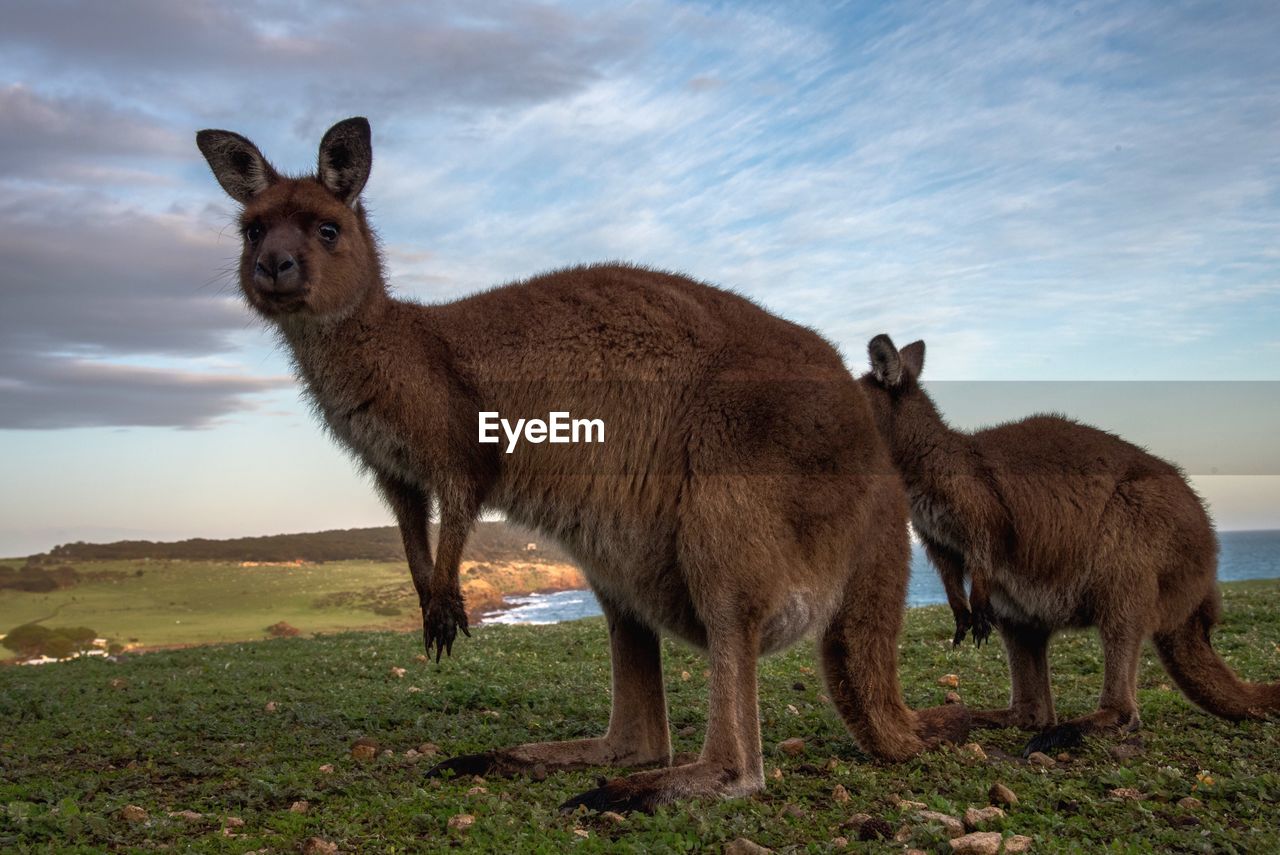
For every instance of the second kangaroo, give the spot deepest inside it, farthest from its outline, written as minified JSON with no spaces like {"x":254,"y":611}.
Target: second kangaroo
{"x":1061,"y":525}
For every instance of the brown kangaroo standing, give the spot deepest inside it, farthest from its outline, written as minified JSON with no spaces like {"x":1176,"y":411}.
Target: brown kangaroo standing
{"x":740,"y":499}
{"x":1059,"y":525}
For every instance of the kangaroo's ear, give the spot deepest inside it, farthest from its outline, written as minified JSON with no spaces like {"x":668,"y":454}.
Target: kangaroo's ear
{"x":237,"y":164}
{"x":913,"y":358}
{"x":346,"y":156}
{"x":886,"y":366}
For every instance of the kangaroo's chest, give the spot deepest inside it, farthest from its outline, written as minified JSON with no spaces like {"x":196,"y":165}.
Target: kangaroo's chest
{"x":935,"y":520}
{"x":375,"y":440}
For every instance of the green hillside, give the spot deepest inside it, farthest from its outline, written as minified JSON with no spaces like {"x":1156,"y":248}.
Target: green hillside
{"x":247,"y":748}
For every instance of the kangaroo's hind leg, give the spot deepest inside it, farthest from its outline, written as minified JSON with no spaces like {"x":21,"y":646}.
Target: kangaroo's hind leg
{"x":860,"y":647}
{"x":1118,"y":706}
{"x":638,"y":733}
{"x":1031,"y":697}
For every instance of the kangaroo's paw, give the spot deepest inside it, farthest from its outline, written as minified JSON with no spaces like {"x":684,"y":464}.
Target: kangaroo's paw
{"x":442,"y":618}
{"x":646,"y":791}
{"x":983,"y":621}
{"x":964,"y":620}
{"x":938,"y":725}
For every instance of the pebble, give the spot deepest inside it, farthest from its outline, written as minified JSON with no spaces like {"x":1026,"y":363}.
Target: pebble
{"x":319,"y":846}
{"x":1126,"y":793}
{"x":613,"y":817}
{"x":1002,"y":795}
{"x":1044,"y":761}
{"x":776,"y":774}
{"x":477,"y":791}
{"x":793,"y":747}
{"x":904,"y":804}
{"x":839,"y":793}
{"x":976,"y":818}
{"x":270,"y":707}
{"x":978,"y":843}
{"x":326,"y":769}
{"x":951,"y":681}
{"x":1190,"y":803}
{"x":427,"y":749}
{"x":461,"y":821}
{"x":952,"y":826}
{"x":1064,"y":757}
{"x":133,"y":813}
{"x":839,"y":842}
{"x":793,"y":811}
{"x":743,"y":846}
{"x":300,"y":806}
{"x":952,"y":698}
{"x":398,"y":673}
{"x":856,"y":821}
{"x":1017,"y":843}
{"x":364,"y":748}
{"x":186,"y":815}
{"x":975,"y":750}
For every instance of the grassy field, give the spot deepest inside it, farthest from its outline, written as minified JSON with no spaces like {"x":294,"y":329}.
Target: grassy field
{"x":166,"y":603}
{"x":239,"y":733}
{"x":198,"y":602}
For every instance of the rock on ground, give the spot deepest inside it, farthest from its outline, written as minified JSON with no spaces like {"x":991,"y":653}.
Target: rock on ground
{"x":743,"y":846}
{"x":978,"y":843}
{"x":976,"y":818}
{"x":319,"y":846}
{"x":952,"y":826}
{"x":1002,"y":795}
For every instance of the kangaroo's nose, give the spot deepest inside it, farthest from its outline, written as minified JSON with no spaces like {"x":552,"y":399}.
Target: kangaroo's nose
{"x":276,"y":273}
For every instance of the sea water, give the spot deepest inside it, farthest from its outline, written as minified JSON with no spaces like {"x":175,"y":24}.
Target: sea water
{"x":1244,"y":555}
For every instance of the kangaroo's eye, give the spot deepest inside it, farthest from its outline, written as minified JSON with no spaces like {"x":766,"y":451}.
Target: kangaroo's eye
{"x":253,"y":232}
{"x":328,"y":232}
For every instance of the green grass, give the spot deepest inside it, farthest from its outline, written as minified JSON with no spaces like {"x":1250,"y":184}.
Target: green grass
{"x":187,"y":730}
{"x":200,"y":602}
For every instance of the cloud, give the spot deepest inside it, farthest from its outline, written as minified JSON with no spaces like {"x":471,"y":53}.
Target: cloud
{"x":89,"y":284}
{"x":48,"y":393}
{"x":387,"y":54}
{"x":83,"y":274}
{"x":61,"y":137}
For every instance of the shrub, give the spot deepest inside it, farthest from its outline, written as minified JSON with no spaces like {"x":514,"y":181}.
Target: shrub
{"x":282,"y":630}
{"x":28,"y":639}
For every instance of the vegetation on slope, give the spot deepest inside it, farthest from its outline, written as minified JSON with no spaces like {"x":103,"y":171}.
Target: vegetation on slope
{"x":247,"y":747}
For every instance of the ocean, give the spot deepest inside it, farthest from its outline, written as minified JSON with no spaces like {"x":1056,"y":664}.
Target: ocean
{"x":1244,"y":555}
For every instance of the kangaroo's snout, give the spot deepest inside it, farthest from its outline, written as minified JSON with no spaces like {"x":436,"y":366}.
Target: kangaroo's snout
{"x":276,"y":271}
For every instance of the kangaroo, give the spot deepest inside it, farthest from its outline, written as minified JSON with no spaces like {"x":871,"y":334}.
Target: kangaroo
{"x":1061,"y":525}
{"x":742,"y":498}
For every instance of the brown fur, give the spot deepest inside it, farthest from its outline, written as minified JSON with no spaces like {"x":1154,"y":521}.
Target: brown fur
{"x":1058,"y":525}
{"x":740,"y":499}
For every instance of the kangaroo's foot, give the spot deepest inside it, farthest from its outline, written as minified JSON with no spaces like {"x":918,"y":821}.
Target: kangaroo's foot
{"x":552,"y":756}
{"x":1071,"y":734}
{"x":645,"y":791}
{"x":1026,"y":719}
{"x":938,"y":725}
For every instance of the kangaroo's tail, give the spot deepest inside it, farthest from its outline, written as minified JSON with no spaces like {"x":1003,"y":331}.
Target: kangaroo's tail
{"x":1204,"y":677}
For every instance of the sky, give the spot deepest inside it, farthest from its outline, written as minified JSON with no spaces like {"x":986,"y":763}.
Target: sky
{"x":1076,"y":205}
